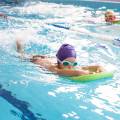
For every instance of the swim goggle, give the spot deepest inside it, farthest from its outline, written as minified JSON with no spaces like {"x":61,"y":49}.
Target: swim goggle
{"x":67,"y":63}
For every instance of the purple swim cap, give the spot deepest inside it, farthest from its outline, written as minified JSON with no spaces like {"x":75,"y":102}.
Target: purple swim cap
{"x":66,"y":51}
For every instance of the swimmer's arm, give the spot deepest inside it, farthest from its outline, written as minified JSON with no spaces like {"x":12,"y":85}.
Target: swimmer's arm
{"x":116,"y":21}
{"x":68,"y":72}
{"x":94,"y":68}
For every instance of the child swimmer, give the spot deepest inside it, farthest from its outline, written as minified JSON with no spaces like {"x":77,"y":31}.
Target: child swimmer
{"x":66,"y":62}
{"x":110,"y":17}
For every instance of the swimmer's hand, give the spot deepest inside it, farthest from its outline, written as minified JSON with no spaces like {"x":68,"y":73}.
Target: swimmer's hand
{"x":20,"y":49}
{"x":94,"y":69}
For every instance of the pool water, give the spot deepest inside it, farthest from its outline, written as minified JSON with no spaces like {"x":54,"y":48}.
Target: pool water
{"x":27,"y":92}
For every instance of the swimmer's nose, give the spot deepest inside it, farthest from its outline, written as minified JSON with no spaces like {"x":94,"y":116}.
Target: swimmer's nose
{"x":70,"y":67}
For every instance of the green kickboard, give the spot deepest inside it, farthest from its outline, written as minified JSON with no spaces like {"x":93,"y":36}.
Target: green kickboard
{"x":92,"y":77}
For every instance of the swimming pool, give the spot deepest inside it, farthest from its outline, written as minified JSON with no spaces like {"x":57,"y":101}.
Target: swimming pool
{"x":29,"y":93}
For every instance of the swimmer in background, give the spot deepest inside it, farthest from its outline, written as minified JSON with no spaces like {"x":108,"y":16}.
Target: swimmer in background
{"x":66,"y":62}
{"x":2,"y":15}
{"x":110,"y":17}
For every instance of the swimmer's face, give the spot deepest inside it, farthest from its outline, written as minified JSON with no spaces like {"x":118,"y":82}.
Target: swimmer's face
{"x":110,"y":17}
{"x":68,"y":63}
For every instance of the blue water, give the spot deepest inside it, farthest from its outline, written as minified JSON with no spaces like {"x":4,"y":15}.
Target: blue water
{"x":29,"y":93}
